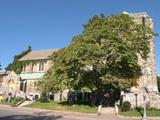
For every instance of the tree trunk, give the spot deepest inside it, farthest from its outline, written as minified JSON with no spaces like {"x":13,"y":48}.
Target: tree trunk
{"x":93,"y":99}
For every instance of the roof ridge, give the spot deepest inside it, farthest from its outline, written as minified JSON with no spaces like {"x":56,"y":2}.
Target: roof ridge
{"x":54,"y":49}
{"x":39,"y":54}
{"x":136,"y":13}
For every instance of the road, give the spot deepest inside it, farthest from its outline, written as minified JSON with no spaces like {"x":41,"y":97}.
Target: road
{"x":9,"y":113}
{"x":14,"y":113}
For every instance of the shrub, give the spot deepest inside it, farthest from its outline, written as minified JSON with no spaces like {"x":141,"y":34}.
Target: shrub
{"x":18,"y":99}
{"x":148,"y":105}
{"x":15,"y":100}
{"x":152,"y":108}
{"x":126,"y":106}
{"x":139,"y":108}
{"x":43,"y":97}
{"x":3,"y":101}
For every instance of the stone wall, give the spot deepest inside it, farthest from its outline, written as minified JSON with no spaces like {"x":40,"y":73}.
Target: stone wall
{"x":35,"y":67}
{"x":149,"y":78}
{"x":10,"y":84}
{"x":31,"y":86}
{"x":148,"y":67}
{"x":61,"y":95}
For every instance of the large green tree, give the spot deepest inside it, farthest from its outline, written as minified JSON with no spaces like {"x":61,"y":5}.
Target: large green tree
{"x":104,"y":55}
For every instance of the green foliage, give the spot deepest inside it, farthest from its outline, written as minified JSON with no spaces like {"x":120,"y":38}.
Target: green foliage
{"x":110,"y":45}
{"x":43,"y":97}
{"x":139,"y":108}
{"x":148,"y":106}
{"x":16,"y":66}
{"x":17,"y":57}
{"x":126,"y":106}
{"x":15,"y":100}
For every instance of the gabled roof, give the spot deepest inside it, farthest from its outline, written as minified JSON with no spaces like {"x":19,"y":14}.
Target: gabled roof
{"x":3,"y":72}
{"x":41,"y":54}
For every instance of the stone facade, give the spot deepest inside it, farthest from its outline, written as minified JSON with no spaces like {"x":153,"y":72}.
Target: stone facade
{"x":25,"y":84}
{"x":32,"y":87}
{"x":37,"y":67}
{"x":34,"y":71}
{"x":149,"y":78}
{"x":10,"y":83}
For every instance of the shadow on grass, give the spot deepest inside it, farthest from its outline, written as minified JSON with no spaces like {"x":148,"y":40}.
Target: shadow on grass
{"x":30,"y":117}
{"x":140,"y":111}
{"x":66,"y":103}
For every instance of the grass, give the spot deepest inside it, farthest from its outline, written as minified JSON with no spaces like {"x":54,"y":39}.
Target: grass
{"x":7,"y":103}
{"x":151,"y":113}
{"x":63,"y":106}
{"x":12,"y":102}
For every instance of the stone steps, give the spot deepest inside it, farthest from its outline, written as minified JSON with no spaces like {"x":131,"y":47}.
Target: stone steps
{"x":26,"y":102}
{"x":110,"y":110}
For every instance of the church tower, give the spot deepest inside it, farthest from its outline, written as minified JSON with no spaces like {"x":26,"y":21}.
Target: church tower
{"x":149,"y":78}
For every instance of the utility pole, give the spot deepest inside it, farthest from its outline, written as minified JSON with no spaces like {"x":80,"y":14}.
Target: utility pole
{"x":144,"y":18}
{"x":145,"y":101}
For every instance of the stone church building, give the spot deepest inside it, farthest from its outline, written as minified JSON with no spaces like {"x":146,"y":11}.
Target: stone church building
{"x":34,"y":71}
{"x":148,"y":81}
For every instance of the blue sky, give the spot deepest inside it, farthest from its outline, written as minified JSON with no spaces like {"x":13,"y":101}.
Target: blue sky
{"x":46,"y":24}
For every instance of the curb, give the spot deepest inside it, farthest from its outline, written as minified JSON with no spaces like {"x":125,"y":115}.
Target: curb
{"x":77,"y":113}
{"x":65,"y":114}
{"x":60,"y":111}
{"x":152,"y":118}
{"x":57,"y":111}
{"x":5,"y":105}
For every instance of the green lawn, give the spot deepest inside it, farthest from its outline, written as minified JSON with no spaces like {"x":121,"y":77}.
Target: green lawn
{"x":13,"y":102}
{"x":155,"y":113}
{"x":63,"y":106}
{"x":7,"y":103}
